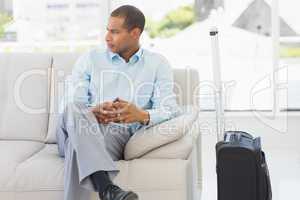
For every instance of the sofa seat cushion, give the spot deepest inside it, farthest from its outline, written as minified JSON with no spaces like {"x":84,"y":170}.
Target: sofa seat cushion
{"x":12,"y":154}
{"x":145,"y":175}
{"x":146,"y":140}
{"x":45,"y":172}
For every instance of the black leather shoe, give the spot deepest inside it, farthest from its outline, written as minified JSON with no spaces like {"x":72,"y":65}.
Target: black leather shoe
{"x":113,"y":192}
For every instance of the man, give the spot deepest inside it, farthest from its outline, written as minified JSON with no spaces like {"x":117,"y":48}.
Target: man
{"x":114,"y":93}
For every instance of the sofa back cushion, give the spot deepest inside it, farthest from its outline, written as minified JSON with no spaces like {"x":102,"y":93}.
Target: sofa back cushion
{"x":185,"y":84}
{"x":24,"y":92}
{"x":61,"y":68}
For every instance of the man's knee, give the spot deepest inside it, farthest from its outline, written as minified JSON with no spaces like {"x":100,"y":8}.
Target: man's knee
{"x":70,"y":115}
{"x":78,"y":113}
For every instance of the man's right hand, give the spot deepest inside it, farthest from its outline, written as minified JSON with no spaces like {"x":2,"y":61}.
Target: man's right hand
{"x":104,"y":112}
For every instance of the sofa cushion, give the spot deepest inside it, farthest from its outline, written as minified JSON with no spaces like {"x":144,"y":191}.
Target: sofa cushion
{"x":61,"y":69}
{"x":146,"y":140}
{"x":24,"y":93}
{"x":45,"y":172}
{"x":186,"y":86}
{"x":12,"y":154}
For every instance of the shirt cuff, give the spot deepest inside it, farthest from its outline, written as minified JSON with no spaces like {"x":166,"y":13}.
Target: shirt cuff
{"x":154,"y":117}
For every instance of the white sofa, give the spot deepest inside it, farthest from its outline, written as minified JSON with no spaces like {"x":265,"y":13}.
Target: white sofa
{"x":30,"y":167}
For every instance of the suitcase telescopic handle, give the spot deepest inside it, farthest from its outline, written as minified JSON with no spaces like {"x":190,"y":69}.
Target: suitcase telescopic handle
{"x":216,"y":64}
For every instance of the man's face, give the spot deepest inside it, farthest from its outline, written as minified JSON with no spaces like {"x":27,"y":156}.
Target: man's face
{"x":118,"y":38}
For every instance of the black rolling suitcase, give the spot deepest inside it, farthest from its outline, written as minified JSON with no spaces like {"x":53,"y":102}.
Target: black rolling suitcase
{"x":241,"y":168}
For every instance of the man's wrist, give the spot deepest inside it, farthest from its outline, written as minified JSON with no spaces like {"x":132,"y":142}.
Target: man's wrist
{"x":145,"y":117}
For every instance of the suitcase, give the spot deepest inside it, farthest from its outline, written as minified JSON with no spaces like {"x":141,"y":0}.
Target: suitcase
{"x":242,"y":170}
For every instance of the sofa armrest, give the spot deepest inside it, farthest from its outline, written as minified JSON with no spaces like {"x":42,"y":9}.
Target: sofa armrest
{"x":179,"y":149}
{"x":156,"y":137}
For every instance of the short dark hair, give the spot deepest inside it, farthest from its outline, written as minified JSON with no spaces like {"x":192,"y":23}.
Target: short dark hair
{"x":134,"y":18}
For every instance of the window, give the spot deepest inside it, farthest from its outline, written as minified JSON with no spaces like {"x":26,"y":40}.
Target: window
{"x":54,"y":25}
{"x":246,"y":54}
{"x":290,"y":53}
{"x":179,"y":29}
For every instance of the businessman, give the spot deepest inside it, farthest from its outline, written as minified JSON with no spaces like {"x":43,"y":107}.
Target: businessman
{"x":114,"y":92}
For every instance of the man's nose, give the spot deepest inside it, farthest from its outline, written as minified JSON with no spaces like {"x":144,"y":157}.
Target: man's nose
{"x":108,"y":37}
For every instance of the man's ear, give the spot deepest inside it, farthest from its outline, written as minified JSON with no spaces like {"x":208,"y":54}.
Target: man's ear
{"x":135,"y":33}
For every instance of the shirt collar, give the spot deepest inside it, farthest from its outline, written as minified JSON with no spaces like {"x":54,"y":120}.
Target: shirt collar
{"x":116,"y":58}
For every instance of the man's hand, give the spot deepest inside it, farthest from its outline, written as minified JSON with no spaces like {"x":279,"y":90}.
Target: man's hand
{"x":105,"y":112}
{"x":128,"y":112}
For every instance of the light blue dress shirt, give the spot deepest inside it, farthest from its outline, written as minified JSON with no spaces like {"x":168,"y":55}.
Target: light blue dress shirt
{"x":146,"y":80}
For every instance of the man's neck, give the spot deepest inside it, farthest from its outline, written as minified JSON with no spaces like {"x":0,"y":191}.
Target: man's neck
{"x":127,"y":55}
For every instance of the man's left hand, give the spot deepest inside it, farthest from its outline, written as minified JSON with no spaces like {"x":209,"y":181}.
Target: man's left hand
{"x":128,"y":112}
